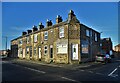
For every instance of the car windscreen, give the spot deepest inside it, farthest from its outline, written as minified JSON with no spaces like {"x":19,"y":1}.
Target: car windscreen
{"x":101,"y":55}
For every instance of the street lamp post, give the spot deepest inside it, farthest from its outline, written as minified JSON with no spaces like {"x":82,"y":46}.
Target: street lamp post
{"x":100,"y":42}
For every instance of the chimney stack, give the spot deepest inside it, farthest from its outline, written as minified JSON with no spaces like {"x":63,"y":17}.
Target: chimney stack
{"x":24,"y":33}
{"x":71,"y":15}
{"x":58,"y":19}
{"x":29,"y":31}
{"x":35,"y":28}
{"x":49,"y":23}
{"x":41,"y":26}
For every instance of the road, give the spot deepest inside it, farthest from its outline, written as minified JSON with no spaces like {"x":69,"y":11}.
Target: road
{"x":25,"y":71}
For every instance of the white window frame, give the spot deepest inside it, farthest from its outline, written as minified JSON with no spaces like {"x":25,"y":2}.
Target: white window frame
{"x":20,"y":41}
{"x":27,"y":50}
{"x":61,"y":32}
{"x":35,"y":50}
{"x":62,"y":48}
{"x":46,"y":35}
{"x":87,"y":32}
{"x":45,"y":49}
{"x":20,"y":51}
{"x":85,"y":47}
{"x":96,"y":37}
{"x":28,"y":40}
{"x":35,"y":37}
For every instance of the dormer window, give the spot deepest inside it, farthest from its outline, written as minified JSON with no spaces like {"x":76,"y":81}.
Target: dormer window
{"x":61,"y":32}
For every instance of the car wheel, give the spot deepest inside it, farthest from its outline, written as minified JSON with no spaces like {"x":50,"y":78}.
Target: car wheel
{"x":106,"y":61}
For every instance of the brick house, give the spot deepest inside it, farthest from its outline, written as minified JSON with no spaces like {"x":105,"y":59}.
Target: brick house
{"x":14,"y":48}
{"x":117,"y":48}
{"x":106,"y":45}
{"x":64,"y":42}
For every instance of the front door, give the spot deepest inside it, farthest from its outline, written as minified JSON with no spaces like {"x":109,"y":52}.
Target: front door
{"x":51,"y":51}
{"x":23,"y":53}
{"x":74,"y":51}
{"x":39,"y":52}
{"x":30,"y":51}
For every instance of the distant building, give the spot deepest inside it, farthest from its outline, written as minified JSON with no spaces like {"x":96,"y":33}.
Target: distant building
{"x":106,"y":45}
{"x":14,"y":49}
{"x":64,"y":42}
{"x":117,"y":48}
{"x":3,"y":52}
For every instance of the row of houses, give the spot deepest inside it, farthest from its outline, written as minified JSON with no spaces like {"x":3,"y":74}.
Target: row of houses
{"x":64,"y":42}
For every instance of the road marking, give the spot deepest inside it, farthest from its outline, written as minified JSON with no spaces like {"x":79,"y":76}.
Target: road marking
{"x":68,"y":79}
{"x":35,"y":70}
{"x":112,"y":72}
{"x":114,"y":75}
{"x":90,"y":71}
{"x":30,"y":69}
{"x":82,"y":70}
{"x":99,"y":73}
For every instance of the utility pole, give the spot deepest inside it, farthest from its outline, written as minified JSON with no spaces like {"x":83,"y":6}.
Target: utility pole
{"x":6,"y":42}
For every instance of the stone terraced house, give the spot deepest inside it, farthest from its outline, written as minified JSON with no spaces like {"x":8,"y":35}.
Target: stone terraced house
{"x":64,"y":42}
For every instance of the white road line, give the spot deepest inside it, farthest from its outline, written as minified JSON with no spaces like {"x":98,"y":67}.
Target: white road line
{"x":68,"y":79}
{"x":90,"y":71}
{"x":112,"y":72}
{"x":30,"y":69}
{"x":35,"y":70}
{"x":82,"y":70}
{"x":114,"y":75}
{"x":99,"y":73}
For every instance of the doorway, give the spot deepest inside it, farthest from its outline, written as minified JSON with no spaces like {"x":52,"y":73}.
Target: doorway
{"x":51,"y":51}
{"x":74,"y":51}
{"x":30,"y":51}
{"x":39,"y":52}
{"x":23,"y":53}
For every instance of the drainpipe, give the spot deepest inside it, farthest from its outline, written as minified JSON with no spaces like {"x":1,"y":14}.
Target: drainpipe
{"x":68,"y":45}
{"x":91,"y":45}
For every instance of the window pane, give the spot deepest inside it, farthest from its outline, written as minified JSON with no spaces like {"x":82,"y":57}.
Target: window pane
{"x":62,"y":48}
{"x":45,"y":35}
{"x":95,"y":36}
{"x":87,"y":32}
{"x":74,"y":50}
{"x":61,"y":32}
{"x":35,"y":38}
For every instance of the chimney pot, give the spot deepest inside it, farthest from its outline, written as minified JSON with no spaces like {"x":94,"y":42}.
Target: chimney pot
{"x":41,"y":26}
{"x":24,"y":33}
{"x":29,"y":31}
{"x":49,"y":23}
{"x":35,"y":28}
{"x":58,"y":19}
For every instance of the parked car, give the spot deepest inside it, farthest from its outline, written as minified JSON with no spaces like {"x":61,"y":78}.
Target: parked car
{"x":3,"y":56}
{"x":103,"y":58}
